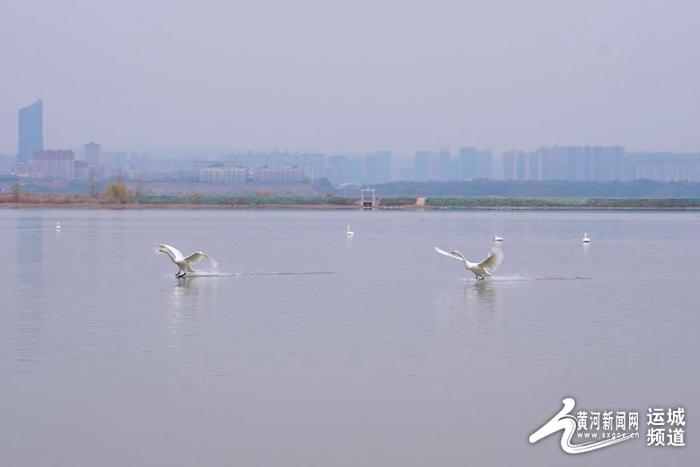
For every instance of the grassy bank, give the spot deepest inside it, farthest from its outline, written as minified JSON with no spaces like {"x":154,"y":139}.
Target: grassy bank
{"x":565,"y":203}
{"x":248,"y":201}
{"x":337,"y":202}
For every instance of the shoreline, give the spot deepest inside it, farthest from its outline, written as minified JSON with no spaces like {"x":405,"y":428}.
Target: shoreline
{"x":333,"y":207}
{"x":179,"y":206}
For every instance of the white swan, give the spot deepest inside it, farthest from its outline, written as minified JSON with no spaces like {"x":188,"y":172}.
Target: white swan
{"x":58,"y":226}
{"x":586,"y":238}
{"x":349,"y":232}
{"x":183,"y":262}
{"x":485,"y":268}
{"x":496,"y":238}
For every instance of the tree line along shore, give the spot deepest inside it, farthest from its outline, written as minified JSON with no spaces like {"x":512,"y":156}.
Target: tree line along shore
{"x":335,"y":202}
{"x":119,"y":196}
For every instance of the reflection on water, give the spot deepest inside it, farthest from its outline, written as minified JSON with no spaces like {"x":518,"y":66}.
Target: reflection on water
{"x":195,"y":292}
{"x":484,"y":292}
{"x":30,"y":319}
{"x":468,"y":313}
{"x":190,"y":297}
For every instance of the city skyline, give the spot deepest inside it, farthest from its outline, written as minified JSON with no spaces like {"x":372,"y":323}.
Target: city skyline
{"x":35,"y":111}
{"x":546,"y":163}
{"x":252,"y":75}
{"x":471,"y":162}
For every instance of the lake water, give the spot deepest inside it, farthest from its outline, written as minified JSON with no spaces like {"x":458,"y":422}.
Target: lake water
{"x":399,"y":358}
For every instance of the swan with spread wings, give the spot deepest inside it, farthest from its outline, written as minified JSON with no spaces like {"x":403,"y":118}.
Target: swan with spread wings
{"x":184,"y":263}
{"x":481,"y":270}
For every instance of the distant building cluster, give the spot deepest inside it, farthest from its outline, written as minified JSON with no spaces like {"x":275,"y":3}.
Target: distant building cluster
{"x":665,"y":167}
{"x":224,"y":172}
{"x":56,"y":163}
{"x":582,"y":163}
{"x":279,"y":175}
{"x":469,"y":164}
{"x":339,"y":169}
{"x":62,"y":164}
{"x":34,"y":161}
{"x":599,"y":163}
{"x":576,"y":163}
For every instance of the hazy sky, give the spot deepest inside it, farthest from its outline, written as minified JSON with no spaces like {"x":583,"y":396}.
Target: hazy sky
{"x":354,"y":75}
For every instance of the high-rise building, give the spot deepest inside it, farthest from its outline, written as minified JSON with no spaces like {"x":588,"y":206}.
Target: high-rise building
{"x":582,"y":163}
{"x":663,"y":166}
{"x":6,"y":163}
{"x":279,"y":175}
{"x":92,"y":154}
{"x":378,"y":167}
{"x":444,"y":169}
{"x":519,"y":165}
{"x":607,"y":163}
{"x":223,"y":174}
{"x":533,"y":166}
{"x":356,"y":169}
{"x":431,"y":166}
{"x":56,"y":163}
{"x":312,"y":162}
{"x":467,"y":163}
{"x":81,"y":170}
{"x":508,"y":162}
{"x":421,"y":166}
{"x":484,"y":164}
{"x":31,"y":131}
{"x":474,"y":163}
{"x":339,"y":169}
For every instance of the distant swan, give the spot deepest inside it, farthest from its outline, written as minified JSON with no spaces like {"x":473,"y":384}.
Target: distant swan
{"x":586,"y":238}
{"x":349,"y":232}
{"x":58,"y":226}
{"x":183,"y":262}
{"x":485,"y":268}
{"x":496,"y":238}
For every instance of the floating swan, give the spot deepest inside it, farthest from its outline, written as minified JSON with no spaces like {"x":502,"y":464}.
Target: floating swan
{"x":349,"y":232}
{"x":585,"y":238}
{"x":183,"y":262}
{"x":485,"y":268}
{"x":496,"y":238}
{"x":58,"y":226}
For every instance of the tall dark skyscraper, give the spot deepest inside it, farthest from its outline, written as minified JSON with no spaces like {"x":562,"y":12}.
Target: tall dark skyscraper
{"x":31,"y":131}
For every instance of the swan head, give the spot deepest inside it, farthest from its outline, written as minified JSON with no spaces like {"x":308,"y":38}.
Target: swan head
{"x":162,"y":248}
{"x":456,"y":252}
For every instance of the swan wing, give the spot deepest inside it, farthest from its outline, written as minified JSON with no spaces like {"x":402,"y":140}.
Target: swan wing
{"x":493,"y":260}
{"x":196,"y":256}
{"x":174,"y":253}
{"x":445,"y":253}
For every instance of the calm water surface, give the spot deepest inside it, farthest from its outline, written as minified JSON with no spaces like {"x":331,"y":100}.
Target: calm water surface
{"x":398,"y":358}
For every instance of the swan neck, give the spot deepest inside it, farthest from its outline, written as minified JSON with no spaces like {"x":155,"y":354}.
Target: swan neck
{"x":464,"y":260}
{"x":170,"y":255}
